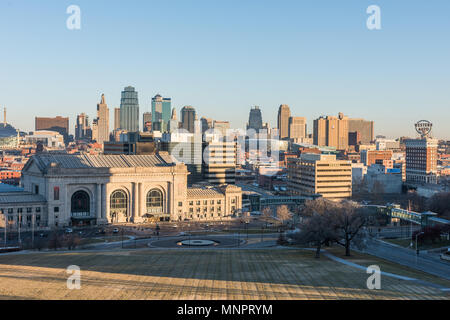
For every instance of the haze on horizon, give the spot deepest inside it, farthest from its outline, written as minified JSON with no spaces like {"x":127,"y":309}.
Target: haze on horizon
{"x":224,"y":57}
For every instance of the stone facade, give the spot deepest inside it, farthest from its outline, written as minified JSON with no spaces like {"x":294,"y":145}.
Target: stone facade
{"x":93,"y":190}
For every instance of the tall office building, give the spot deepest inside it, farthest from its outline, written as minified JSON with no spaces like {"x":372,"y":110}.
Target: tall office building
{"x":207,"y":123}
{"x":284,"y":113}
{"x":331,"y":131}
{"x":129,"y":110}
{"x":57,"y":124}
{"x":100,"y":130}
{"x":421,"y":160}
{"x":364,"y":128}
{"x":116,"y":119}
{"x":320,"y":174}
{"x":297,"y":128}
{"x":147,"y":121}
{"x":186,"y":148}
{"x":188,"y":118}
{"x":174,"y":124}
{"x":219,"y":162}
{"x":161,"y":109}
{"x":82,"y":129}
{"x":255,"y":119}
{"x":222,"y":127}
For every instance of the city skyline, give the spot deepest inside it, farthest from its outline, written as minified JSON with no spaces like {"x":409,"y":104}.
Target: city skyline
{"x":394,"y":76}
{"x":232,"y":154}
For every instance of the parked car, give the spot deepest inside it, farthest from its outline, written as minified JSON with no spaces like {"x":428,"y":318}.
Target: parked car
{"x":69,"y":230}
{"x":446,"y":255}
{"x":115,"y":230}
{"x":43,"y":235}
{"x":183,"y":234}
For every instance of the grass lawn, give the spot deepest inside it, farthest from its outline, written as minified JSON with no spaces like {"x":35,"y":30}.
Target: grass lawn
{"x":406,"y":242}
{"x":200,"y":274}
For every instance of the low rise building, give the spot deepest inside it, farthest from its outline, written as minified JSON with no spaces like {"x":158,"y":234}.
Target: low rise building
{"x":383,"y":179}
{"x":49,"y":139}
{"x":320,"y":174}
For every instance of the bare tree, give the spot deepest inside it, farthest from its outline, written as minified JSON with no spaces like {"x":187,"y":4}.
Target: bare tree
{"x":55,"y":240}
{"x":440,"y":203}
{"x":72,"y":241}
{"x":348,"y":221}
{"x":317,"y":230}
{"x":318,"y":227}
{"x":284,"y":214}
{"x":267,"y":215}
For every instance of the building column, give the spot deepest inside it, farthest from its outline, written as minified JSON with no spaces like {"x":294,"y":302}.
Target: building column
{"x":103,"y":201}
{"x":99,"y":201}
{"x":133,"y":201}
{"x":140,"y":207}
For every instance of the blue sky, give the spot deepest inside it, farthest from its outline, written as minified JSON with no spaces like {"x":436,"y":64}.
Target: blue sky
{"x":222,"y":57}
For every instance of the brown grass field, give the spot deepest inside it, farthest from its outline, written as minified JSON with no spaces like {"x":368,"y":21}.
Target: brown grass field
{"x":204,"y":274}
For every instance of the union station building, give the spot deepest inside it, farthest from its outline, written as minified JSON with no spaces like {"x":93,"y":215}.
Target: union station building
{"x":73,"y":190}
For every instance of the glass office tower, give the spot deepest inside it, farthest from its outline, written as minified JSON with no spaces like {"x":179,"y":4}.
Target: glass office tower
{"x":161,"y":112}
{"x":129,"y":110}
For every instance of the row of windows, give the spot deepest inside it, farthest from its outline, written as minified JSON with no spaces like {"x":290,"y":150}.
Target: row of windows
{"x":28,"y":218}
{"x":205,"y":202}
{"x":205,"y":209}
{"x":20,"y":210}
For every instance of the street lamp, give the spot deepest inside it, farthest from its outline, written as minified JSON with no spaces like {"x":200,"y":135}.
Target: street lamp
{"x":417,"y":250}
{"x":246,"y":226}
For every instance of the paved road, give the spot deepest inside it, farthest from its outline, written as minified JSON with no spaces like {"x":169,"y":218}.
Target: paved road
{"x":393,"y":232}
{"x":268,"y":240}
{"x":408,"y":258}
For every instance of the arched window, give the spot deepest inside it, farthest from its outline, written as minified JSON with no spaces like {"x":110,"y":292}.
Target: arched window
{"x":154,"y":201}
{"x":80,"y":202}
{"x":119,"y":201}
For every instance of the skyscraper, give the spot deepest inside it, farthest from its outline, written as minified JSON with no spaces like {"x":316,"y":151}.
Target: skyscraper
{"x":173,"y":123}
{"x":364,"y":128}
{"x":116,"y":119}
{"x":222,"y":127}
{"x":421,"y":160}
{"x":161,"y":109}
{"x":207,"y":123}
{"x":188,"y":118}
{"x":255,"y":119}
{"x":297,"y":128}
{"x":146,"y":121}
{"x":129,"y":110}
{"x":82,"y":128}
{"x":284,"y":113}
{"x":101,"y":132}
{"x":331,"y":131}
